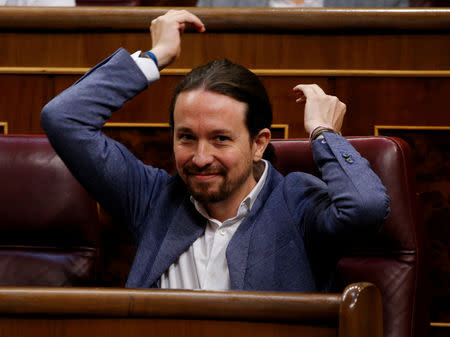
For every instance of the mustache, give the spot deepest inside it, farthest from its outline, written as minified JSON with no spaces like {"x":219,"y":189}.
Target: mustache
{"x":195,"y":170}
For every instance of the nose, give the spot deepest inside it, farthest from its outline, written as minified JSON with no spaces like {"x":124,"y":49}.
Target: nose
{"x":203,"y":155}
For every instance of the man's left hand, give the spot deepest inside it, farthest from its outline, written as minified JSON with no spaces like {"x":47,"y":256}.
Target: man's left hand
{"x":320,"y":109}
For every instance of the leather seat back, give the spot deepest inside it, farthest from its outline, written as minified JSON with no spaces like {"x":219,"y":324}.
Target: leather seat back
{"x":49,"y":230}
{"x":395,"y":259}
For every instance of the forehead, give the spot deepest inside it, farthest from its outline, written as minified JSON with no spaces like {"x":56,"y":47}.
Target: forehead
{"x":202,"y":108}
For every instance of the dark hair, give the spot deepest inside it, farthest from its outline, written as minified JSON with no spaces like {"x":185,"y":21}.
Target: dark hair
{"x":233,"y":80}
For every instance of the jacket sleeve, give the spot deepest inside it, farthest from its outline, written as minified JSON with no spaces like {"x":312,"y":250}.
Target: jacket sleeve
{"x":73,"y":120}
{"x":350,"y":200}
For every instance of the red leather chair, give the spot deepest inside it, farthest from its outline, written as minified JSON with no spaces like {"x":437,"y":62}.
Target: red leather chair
{"x":395,"y":259}
{"x":49,"y":231}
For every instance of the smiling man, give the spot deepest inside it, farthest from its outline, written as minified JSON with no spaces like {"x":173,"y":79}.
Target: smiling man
{"x":213,"y":152}
{"x":227,"y":219}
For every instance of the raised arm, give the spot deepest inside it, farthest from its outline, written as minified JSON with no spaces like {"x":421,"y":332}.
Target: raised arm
{"x":357,"y":200}
{"x":73,"y":122}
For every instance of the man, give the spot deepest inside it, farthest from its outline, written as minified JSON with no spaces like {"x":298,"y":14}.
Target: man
{"x":227,"y":219}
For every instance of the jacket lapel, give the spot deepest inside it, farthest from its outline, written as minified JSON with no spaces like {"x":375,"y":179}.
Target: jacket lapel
{"x":237,"y":250}
{"x":187,"y":225}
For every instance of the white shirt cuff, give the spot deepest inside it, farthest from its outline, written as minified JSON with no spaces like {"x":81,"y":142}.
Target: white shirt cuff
{"x":147,"y":66}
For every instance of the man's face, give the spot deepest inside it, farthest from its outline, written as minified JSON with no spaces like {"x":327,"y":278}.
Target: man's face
{"x":213,"y":152}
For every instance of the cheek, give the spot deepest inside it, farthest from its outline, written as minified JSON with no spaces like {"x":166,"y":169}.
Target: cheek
{"x":233,"y":158}
{"x":181,"y":156}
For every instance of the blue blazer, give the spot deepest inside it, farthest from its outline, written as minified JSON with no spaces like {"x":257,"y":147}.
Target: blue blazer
{"x":289,"y":240}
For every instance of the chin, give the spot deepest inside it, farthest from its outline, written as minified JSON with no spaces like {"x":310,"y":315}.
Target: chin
{"x":207,"y":196}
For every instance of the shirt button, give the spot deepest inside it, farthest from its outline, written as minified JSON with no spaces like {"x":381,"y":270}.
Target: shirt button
{"x":222,"y":232}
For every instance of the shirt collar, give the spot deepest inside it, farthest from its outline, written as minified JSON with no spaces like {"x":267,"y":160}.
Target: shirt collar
{"x":246,"y":204}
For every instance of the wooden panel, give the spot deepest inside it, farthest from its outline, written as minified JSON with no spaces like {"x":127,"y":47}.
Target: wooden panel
{"x":112,"y":327}
{"x":21,"y":102}
{"x":288,"y":307}
{"x":151,"y":106}
{"x":303,"y":39}
{"x":289,"y":51}
{"x":66,"y":49}
{"x":391,"y":101}
{"x":231,"y":19}
{"x":285,"y":110}
{"x":370,"y":101}
{"x":118,"y":312}
{"x":325,"y":50}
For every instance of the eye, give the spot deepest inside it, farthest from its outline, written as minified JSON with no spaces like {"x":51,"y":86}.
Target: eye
{"x":222,"y":138}
{"x":185,"y":137}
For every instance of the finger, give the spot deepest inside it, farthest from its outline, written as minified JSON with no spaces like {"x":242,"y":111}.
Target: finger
{"x":306,"y":89}
{"x":313,"y":88}
{"x":198,"y":24}
{"x":297,"y":88}
{"x":184,"y":16}
{"x":318,"y":90}
{"x":300,"y":97}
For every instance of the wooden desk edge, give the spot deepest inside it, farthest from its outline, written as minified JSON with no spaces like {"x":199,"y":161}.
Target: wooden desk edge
{"x":233,"y":305}
{"x":228,"y":19}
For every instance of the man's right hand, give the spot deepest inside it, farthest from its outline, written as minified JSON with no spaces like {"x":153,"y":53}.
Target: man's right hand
{"x":166,"y":33}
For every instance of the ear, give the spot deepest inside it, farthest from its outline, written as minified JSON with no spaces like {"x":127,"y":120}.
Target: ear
{"x":260,"y":143}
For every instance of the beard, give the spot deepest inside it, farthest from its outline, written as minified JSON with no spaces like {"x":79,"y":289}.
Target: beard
{"x":215,"y":191}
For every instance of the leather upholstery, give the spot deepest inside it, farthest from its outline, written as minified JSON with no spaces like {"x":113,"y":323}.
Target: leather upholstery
{"x":394,"y":260}
{"x":49,"y":232}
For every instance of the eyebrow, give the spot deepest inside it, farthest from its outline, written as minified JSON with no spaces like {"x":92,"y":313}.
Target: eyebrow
{"x":183,"y":130}
{"x":221,"y":132}
{"x":214,"y":132}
